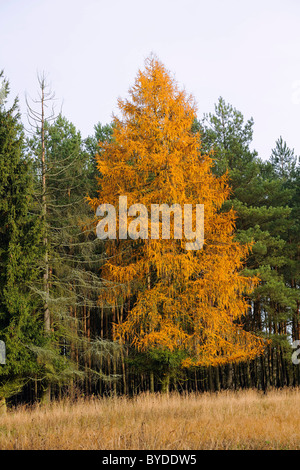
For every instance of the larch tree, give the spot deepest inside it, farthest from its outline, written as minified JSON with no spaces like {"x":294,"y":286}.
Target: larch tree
{"x":183,"y":302}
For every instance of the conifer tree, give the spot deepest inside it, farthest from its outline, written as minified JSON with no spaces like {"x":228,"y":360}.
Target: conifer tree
{"x":21,"y":322}
{"x":283,"y":159}
{"x":63,"y":177}
{"x":75,"y":252}
{"x":182,"y":303}
{"x":285,"y":172}
{"x":262,"y":199}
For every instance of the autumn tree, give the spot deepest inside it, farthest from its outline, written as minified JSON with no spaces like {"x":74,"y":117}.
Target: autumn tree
{"x":183,"y":301}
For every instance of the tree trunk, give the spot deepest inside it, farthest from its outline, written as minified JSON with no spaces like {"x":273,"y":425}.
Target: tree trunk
{"x":165,"y":384}
{"x":152,"y":382}
{"x":46,"y":396}
{"x":229,"y":376}
{"x":2,"y":406}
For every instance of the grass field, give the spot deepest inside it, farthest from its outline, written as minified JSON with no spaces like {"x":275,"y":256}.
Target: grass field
{"x":226,"y":420}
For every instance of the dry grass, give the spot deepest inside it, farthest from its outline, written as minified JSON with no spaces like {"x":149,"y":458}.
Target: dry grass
{"x":228,"y":420}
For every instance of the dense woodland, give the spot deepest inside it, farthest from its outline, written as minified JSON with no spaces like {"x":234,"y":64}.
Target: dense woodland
{"x":82,"y":316}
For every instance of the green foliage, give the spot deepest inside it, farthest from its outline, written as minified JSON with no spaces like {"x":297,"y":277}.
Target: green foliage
{"x":283,"y":159}
{"x":74,"y":251}
{"x":165,"y":365}
{"x":263,"y":197}
{"x":20,"y":235}
{"x":102,"y":133}
{"x":226,"y":134}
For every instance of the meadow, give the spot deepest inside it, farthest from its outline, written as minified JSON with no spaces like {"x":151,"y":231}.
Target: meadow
{"x":228,"y":420}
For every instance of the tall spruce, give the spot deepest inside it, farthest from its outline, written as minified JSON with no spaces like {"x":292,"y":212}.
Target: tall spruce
{"x":21,"y":320}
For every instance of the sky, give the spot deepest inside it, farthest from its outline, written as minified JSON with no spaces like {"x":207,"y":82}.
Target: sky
{"x":91,"y":51}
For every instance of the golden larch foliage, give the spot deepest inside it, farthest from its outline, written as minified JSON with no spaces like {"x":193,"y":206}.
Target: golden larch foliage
{"x":183,"y":300}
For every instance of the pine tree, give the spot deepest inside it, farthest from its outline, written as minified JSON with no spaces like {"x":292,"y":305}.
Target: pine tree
{"x":261,"y":200}
{"x":283,"y":159}
{"x":228,"y":137}
{"x":184,"y":304}
{"x":285,"y":172}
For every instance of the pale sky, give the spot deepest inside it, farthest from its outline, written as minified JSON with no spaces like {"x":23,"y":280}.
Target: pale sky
{"x":246,"y":52}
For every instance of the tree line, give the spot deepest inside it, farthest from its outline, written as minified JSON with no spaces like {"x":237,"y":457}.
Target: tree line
{"x":85,"y":316}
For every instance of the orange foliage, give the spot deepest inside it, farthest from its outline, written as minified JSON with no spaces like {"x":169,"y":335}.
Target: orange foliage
{"x":185,"y":300}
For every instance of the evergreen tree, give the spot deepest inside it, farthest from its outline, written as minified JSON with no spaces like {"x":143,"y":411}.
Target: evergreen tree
{"x":74,"y":252}
{"x":228,"y":137}
{"x":102,"y":133}
{"x":21,"y":323}
{"x":262,"y":202}
{"x":285,"y":171}
{"x":283,"y":159}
